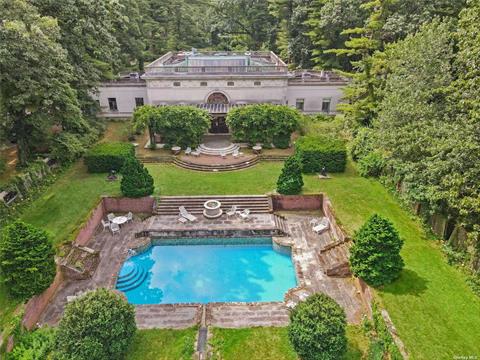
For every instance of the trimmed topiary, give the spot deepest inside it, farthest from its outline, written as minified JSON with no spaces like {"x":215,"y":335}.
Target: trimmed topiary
{"x":316,"y":152}
{"x":106,"y":157}
{"x":99,"y":325}
{"x":317,"y":329}
{"x":27,"y":260}
{"x":290,"y":181}
{"x":136,"y":181}
{"x":375,"y":254}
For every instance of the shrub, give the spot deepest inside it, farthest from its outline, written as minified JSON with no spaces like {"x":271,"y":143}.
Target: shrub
{"x":317,"y":329}
{"x":262,"y":123}
{"x":99,"y":325}
{"x":27,"y":260}
{"x":38,"y":344}
{"x":375,"y":254}
{"x":282,"y":141}
{"x":136,"y":181}
{"x":318,"y":152}
{"x":290,"y":181}
{"x":105,"y":157}
{"x":66,"y":147}
{"x":371,"y":165}
{"x":362,"y":144}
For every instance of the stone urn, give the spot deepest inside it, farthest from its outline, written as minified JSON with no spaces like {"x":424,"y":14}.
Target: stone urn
{"x":212,"y":209}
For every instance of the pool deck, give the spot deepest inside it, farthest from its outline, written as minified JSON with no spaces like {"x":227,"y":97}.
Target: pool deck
{"x":306,"y":254}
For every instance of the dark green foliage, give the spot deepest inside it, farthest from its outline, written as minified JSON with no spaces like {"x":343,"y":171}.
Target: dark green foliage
{"x":375,"y":254}
{"x":66,"y":147}
{"x":105,"y":157}
{"x":290,"y":181}
{"x":136,"y":181}
{"x":27,"y":261}
{"x":3,"y":165}
{"x":282,"y":141}
{"x":317,"y":329}
{"x":262,"y":123}
{"x":38,"y":344}
{"x":316,"y":152}
{"x":371,"y":165}
{"x":97,"y":326}
{"x":362,"y":144}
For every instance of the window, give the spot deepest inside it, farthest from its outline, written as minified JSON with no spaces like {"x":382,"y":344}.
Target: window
{"x":326,"y":105}
{"x":257,"y":83}
{"x":176,"y":83}
{"x":139,"y":101}
{"x":230,"y":83}
{"x":203,"y":83}
{"x":300,"y":104}
{"x":112,"y":104}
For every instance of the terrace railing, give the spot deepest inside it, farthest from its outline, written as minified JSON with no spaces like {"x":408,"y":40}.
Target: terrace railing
{"x":154,"y":70}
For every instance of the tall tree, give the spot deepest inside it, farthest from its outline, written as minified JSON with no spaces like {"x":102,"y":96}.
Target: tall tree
{"x":35,"y":76}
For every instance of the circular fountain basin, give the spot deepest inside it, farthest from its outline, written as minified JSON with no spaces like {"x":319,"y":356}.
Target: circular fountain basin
{"x":212,"y":209}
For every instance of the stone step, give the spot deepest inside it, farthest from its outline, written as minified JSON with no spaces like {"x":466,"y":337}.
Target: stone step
{"x":218,"y":151}
{"x":216,"y":167}
{"x":335,"y":260}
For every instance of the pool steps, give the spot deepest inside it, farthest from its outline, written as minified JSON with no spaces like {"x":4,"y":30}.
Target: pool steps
{"x":131,"y":280}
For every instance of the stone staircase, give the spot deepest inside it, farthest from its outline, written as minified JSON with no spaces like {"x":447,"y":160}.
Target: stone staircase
{"x":131,"y":277}
{"x":281,"y":223}
{"x":207,"y":150}
{"x":334,"y":260}
{"x":168,"y":205}
{"x":216,"y":167}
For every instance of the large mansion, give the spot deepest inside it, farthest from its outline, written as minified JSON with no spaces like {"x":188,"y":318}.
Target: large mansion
{"x":217,"y":81}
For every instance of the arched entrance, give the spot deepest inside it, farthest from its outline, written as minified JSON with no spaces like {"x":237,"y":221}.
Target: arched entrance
{"x":219,"y":125}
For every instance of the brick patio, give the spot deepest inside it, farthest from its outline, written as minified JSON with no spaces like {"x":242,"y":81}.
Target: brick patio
{"x":305,"y":244}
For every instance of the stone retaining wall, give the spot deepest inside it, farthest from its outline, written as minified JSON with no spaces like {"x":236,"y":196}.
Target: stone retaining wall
{"x":142,"y":205}
{"x":89,"y":227}
{"x":297,"y":202}
{"x":338,"y":233}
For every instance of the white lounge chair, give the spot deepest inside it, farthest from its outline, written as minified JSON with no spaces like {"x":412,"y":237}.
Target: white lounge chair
{"x":129,"y":217}
{"x":245,"y":214}
{"x":184,"y":213}
{"x":188,"y":150}
{"x":106,"y":224}
{"x":232,"y":211}
{"x":182,"y":220}
{"x":322,"y":226}
{"x":115,"y":228}
{"x":110,"y":217}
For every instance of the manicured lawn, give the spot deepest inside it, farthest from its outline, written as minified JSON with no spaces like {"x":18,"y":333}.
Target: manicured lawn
{"x":270,"y":343}
{"x":171,"y":180}
{"x":66,"y":204}
{"x":159,"y":344}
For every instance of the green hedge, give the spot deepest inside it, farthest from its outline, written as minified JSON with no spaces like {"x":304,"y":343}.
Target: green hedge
{"x":108,"y":156}
{"x":317,"y":152}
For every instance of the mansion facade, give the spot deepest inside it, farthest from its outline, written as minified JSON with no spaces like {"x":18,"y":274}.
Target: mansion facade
{"x":218,"y":81}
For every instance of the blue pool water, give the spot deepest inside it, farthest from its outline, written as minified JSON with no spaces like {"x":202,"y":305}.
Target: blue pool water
{"x":168,"y":274}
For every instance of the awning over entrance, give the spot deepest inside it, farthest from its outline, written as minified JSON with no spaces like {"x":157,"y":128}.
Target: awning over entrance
{"x":217,"y":108}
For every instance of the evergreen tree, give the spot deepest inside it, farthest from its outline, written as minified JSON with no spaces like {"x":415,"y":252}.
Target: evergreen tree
{"x":27,"y":260}
{"x":136,"y":181}
{"x":290,"y":181}
{"x":375,"y":254}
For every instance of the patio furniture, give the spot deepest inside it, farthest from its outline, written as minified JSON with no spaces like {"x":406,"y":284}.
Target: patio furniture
{"x":110,"y":217}
{"x":119,"y":220}
{"x":115,"y":228}
{"x":196,"y":152}
{"x":106,"y":224}
{"x":257,"y":149}
{"x":322,"y":226}
{"x":236,"y":153}
{"x":188,"y":150}
{"x":184,"y":213}
{"x":182,"y":220}
{"x":232,"y":211}
{"x":176,"y":150}
{"x":129,"y":217}
{"x":223,"y":155}
{"x":245,"y":214}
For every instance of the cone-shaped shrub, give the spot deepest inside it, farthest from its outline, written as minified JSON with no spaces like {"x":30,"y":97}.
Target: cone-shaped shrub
{"x":136,"y":181}
{"x":375,"y":254}
{"x":290,"y":181}
{"x":27,"y":260}
{"x":317,"y":329}
{"x":99,"y":325}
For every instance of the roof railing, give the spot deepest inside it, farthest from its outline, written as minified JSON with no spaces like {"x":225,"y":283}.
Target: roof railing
{"x":216,"y":69}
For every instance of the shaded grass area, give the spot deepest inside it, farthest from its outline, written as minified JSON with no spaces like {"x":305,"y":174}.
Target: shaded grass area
{"x":7,"y":307}
{"x":162,"y":344}
{"x":63,"y":208}
{"x":270,"y":343}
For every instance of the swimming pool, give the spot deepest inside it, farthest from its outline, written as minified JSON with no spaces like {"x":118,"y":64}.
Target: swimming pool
{"x":208,"y":270}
